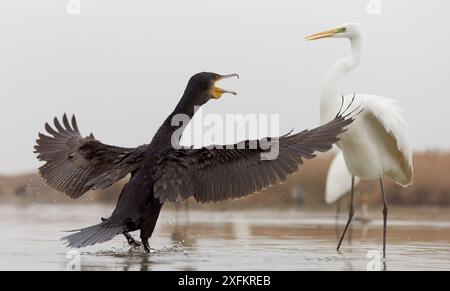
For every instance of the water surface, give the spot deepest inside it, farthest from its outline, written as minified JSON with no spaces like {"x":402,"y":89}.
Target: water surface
{"x":244,"y":240}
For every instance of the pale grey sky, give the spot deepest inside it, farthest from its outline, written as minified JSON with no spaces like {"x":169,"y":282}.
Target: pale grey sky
{"x":122,"y":65}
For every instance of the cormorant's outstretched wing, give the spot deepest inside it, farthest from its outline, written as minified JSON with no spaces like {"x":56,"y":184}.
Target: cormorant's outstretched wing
{"x":75,"y":165}
{"x":220,"y":174}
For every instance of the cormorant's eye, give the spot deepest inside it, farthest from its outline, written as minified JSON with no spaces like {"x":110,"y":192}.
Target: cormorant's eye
{"x":204,"y":85}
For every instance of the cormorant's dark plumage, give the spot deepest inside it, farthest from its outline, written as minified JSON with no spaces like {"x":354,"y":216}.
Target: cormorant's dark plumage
{"x":76,"y":164}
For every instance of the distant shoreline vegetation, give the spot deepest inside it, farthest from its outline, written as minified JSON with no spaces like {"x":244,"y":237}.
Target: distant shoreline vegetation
{"x":306,"y":188}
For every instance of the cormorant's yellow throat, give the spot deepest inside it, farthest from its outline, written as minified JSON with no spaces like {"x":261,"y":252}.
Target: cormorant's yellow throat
{"x":217,"y":92}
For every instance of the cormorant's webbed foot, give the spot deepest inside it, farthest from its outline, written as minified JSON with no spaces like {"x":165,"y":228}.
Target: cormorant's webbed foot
{"x":131,"y":241}
{"x":146,"y":246}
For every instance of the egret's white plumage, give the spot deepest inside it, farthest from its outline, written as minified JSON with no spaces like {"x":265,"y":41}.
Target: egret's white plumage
{"x":377,"y":144}
{"x":338,"y":180}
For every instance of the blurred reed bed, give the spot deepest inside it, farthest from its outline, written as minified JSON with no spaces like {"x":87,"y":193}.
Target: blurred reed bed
{"x":306,"y":188}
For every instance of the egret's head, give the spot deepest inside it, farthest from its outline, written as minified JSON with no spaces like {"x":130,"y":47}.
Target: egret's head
{"x":348,"y":30}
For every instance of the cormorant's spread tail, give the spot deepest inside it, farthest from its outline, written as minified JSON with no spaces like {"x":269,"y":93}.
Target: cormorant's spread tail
{"x":93,"y":235}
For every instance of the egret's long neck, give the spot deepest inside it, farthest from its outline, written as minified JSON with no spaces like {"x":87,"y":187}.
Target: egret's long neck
{"x":330,"y":98}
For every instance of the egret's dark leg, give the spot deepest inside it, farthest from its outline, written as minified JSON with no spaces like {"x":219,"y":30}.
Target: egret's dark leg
{"x":336,"y":219}
{"x":385,"y":216}
{"x":350,"y":215}
{"x":350,"y":234}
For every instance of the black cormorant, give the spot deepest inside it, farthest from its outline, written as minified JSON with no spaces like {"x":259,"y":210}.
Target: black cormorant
{"x":75,"y":164}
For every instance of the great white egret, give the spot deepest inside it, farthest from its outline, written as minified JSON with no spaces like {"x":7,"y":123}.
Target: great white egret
{"x":377,"y":144}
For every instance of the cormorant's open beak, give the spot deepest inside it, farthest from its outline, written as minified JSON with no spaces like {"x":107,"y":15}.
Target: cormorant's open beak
{"x":323,"y":34}
{"x":218,"y":92}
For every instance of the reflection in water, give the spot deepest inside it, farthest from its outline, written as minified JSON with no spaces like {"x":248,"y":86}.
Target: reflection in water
{"x":144,"y":263}
{"x":242,"y":232}
{"x":263,"y":240}
{"x":180,"y":233}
